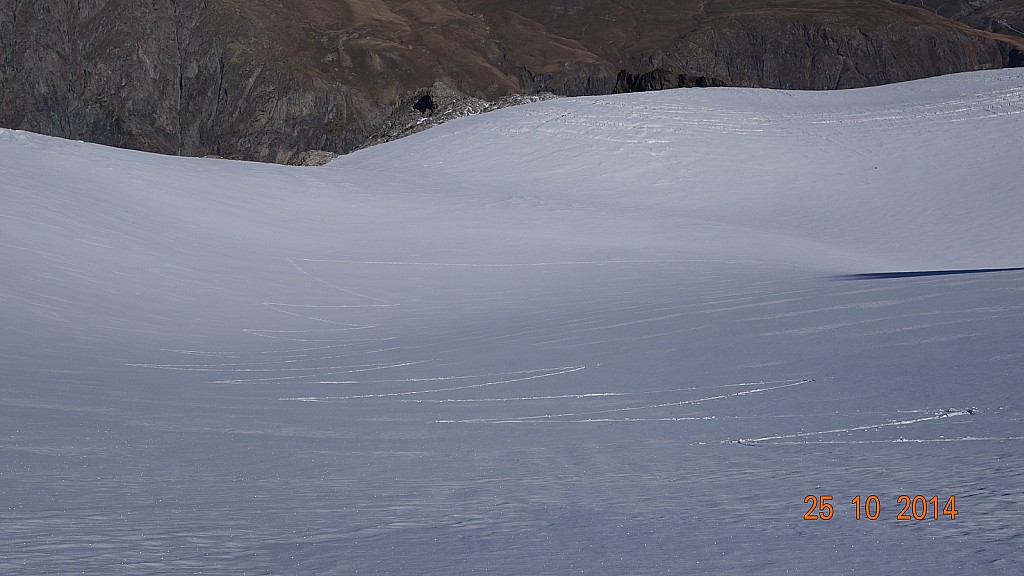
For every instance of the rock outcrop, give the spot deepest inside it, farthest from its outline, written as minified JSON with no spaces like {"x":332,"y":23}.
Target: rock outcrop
{"x":269,"y":81}
{"x":437,"y":105}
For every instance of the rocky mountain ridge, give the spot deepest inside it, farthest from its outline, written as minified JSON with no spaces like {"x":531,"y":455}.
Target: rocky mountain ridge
{"x":271,"y":81}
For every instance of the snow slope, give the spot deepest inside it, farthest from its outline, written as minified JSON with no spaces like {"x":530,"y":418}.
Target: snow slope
{"x":614,"y":335}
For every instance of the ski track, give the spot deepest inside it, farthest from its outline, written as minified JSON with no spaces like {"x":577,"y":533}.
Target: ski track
{"x":312,"y":366}
{"x":951,"y":413}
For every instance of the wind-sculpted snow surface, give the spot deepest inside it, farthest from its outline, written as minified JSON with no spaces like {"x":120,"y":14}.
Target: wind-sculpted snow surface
{"x":620,"y":335}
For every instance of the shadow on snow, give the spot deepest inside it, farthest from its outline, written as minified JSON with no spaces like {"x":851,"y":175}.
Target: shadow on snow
{"x":919,"y":273}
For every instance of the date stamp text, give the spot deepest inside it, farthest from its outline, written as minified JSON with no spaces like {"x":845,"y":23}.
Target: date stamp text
{"x":910,"y":508}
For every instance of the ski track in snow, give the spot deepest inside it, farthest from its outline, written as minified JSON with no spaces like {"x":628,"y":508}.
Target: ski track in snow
{"x":312,"y":365}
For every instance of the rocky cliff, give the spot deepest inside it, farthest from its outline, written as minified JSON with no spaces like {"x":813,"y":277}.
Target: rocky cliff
{"x":269,"y":81}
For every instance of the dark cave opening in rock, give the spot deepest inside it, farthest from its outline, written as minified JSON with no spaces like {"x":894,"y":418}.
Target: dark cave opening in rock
{"x":424,"y":105}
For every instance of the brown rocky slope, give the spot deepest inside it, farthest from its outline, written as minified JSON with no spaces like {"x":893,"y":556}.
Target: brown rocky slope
{"x":268,"y":80}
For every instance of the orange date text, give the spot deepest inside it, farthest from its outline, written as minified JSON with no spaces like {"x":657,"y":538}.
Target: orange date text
{"x":910,"y":508}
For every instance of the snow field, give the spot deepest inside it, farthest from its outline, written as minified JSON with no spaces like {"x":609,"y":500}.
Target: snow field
{"x":616,"y":335}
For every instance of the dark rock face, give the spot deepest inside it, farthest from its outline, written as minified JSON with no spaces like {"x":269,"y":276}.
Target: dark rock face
{"x":268,"y":80}
{"x":158,"y":76}
{"x":82,"y":69}
{"x":820,"y":53}
{"x":661,"y":79}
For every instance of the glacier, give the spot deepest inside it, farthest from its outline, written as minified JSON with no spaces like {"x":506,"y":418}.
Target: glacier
{"x":627,"y":334}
